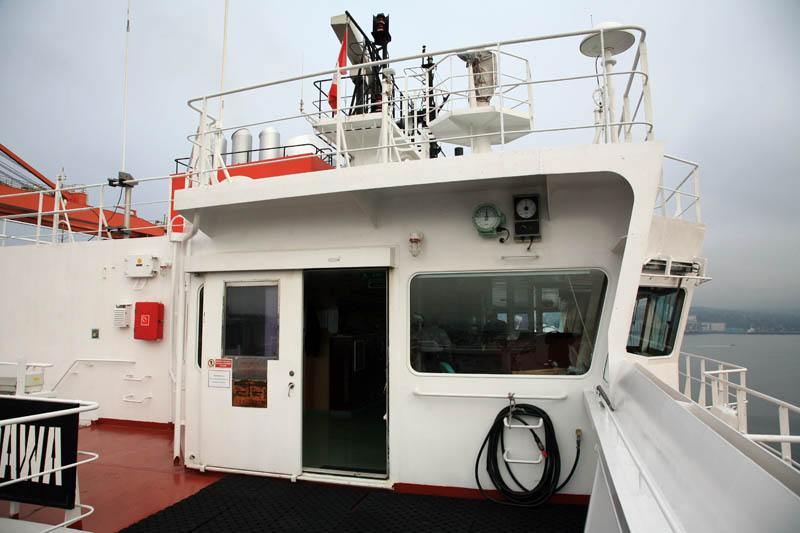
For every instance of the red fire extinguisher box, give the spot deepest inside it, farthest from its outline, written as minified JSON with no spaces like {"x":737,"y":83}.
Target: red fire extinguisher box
{"x":149,"y":321}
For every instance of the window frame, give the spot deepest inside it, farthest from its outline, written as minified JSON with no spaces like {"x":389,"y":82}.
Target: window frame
{"x":266,"y":283}
{"x":677,"y":315}
{"x":602,"y":320}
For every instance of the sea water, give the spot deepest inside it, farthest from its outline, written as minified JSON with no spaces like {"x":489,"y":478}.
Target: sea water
{"x":773,"y":368}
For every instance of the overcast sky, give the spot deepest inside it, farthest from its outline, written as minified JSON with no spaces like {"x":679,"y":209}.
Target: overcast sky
{"x":725,"y":78}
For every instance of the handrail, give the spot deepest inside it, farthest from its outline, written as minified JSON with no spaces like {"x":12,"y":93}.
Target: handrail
{"x":92,"y":457}
{"x":562,"y":396}
{"x":676,"y":193}
{"x":687,"y":354}
{"x":721,"y":397}
{"x":760,"y":395}
{"x":348,"y":68}
{"x":83,"y":406}
{"x":89,"y":360}
{"x":409,"y":141}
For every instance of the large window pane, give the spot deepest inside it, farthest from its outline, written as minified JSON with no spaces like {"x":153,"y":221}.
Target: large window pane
{"x":251,"y":320}
{"x":655,"y":321}
{"x":505,"y":323}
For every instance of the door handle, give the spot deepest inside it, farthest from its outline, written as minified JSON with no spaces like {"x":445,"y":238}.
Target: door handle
{"x":291,"y":386}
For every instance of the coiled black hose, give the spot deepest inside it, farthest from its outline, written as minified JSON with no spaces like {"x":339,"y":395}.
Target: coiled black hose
{"x":494,"y":444}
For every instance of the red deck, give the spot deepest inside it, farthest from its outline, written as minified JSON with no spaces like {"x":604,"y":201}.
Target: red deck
{"x":133,"y":478}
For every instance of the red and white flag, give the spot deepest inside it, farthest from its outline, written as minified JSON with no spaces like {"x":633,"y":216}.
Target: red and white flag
{"x":333,"y":94}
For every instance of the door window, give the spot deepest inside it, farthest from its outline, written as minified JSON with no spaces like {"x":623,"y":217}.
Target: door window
{"x":250,"y":320}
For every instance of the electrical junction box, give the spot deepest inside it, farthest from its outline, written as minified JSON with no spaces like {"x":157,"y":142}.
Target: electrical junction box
{"x":122,"y":315}
{"x":148,"y":323}
{"x":141,"y":266}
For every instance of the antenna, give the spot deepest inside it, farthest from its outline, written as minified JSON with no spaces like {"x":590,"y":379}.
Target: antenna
{"x":125,"y":87}
{"x":302,"y":62}
{"x":128,"y":190}
{"x":224,"y":53}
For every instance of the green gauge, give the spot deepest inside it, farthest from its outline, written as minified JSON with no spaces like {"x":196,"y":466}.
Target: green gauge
{"x":487,"y":218}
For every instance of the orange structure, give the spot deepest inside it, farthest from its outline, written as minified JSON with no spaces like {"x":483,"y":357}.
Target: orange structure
{"x":80,"y":216}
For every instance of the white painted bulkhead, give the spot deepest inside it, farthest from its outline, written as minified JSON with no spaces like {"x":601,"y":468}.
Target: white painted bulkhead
{"x":348,"y":217}
{"x":54,"y":295}
{"x":596,"y":198}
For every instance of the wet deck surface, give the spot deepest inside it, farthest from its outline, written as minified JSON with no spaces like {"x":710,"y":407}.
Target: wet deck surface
{"x":133,"y":478}
{"x":246,"y":503}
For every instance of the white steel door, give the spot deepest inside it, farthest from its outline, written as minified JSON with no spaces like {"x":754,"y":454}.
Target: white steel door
{"x":252,"y":333}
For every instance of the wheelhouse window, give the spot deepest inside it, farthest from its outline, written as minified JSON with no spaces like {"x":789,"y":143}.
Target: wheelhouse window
{"x":506,"y":323}
{"x":250,"y":324}
{"x":655,"y":321}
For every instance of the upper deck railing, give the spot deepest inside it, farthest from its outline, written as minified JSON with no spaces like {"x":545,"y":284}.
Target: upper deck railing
{"x":544,"y":109}
{"x":722,"y":388}
{"x":414,"y":95}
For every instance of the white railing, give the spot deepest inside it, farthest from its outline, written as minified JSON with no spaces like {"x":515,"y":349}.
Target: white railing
{"x":722,"y":389}
{"x":512,"y":90}
{"x":678,"y":198}
{"x":406,"y":91}
{"x":71,"y":515}
{"x":60,"y":225}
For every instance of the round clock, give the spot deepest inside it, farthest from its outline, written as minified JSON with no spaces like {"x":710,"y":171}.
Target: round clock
{"x":525,"y":207}
{"x":487,"y":218}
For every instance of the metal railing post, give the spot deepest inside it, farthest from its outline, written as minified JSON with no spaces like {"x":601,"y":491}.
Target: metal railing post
{"x":202,"y":137}
{"x":741,"y":410}
{"x":528,"y":80}
{"x":724,"y":397}
{"x":66,"y":219}
{"x":499,"y":83}
{"x":39,"y":218}
{"x":783,"y":423}
{"x":626,"y":117}
{"x":648,"y":103}
{"x":56,"y":208}
{"x":741,"y":402}
{"x":687,"y":387}
{"x":100,"y":213}
{"x":697,"y":195}
{"x":701,"y":399}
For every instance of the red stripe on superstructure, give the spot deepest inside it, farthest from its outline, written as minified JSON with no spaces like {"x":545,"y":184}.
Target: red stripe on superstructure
{"x":135,"y":423}
{"x":475,"y":494}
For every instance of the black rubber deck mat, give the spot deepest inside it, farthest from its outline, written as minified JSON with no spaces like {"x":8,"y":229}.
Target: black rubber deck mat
{"x":247,"y":503}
